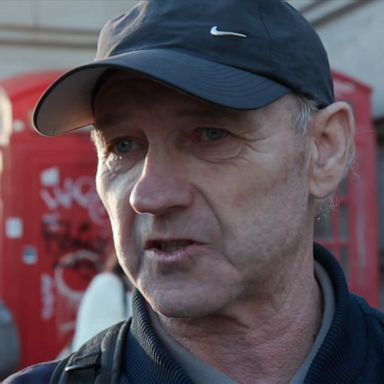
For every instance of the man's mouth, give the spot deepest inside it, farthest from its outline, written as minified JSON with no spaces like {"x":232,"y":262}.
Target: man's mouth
{"x":168,"y":245}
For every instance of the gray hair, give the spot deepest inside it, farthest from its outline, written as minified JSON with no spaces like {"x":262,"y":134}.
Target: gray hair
{"x":305,"y":109}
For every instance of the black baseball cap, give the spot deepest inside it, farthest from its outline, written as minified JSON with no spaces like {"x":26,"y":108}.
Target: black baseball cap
{"x":238,"y":54}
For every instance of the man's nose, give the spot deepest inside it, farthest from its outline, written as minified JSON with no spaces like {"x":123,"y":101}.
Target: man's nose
{"x":162,"y":187}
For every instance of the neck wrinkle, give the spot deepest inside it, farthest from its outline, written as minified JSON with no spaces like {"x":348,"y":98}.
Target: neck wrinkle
{"x":266,"y":344}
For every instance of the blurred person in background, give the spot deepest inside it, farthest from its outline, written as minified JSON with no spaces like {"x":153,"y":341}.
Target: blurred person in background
{"x":106,"y":301}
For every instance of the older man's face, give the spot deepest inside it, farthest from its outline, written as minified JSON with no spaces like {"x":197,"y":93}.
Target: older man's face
{"x":208,"y":206}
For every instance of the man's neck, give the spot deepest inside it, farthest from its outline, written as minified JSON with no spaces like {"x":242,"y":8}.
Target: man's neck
{"x":261,"y":341}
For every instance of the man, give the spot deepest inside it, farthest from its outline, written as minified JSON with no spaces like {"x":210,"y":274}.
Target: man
{"x":218,"y":141}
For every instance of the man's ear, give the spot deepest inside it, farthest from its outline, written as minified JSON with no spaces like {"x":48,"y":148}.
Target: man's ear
{"x":331,"y":148}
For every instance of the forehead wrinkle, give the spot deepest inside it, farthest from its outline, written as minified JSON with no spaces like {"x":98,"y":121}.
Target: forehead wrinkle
{"x":218,"y":114}
{"x":111,"y":119}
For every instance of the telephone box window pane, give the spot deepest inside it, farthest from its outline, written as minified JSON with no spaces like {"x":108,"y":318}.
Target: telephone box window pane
{"x":343,"y":209}
{"x":323,"y":227}
{"x":344,"y":261}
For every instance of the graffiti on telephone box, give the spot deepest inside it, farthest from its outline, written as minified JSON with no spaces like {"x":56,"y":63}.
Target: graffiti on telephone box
{"x":71,"y":193}
{"x":75,"y":234}
{"x":63,"y":236}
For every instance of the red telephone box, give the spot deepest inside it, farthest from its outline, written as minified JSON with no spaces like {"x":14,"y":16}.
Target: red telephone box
{"x":350,"y":231}
{"x":54,"y":232}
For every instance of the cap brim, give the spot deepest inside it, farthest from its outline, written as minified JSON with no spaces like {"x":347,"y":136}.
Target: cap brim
{"x":66,"y":105}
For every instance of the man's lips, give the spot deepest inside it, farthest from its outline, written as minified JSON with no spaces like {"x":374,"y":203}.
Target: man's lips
{"x":167,"y":254}
{"x":169,"y":245}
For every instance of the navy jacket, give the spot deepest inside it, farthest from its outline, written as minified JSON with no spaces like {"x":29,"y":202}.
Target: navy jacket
{"x":352,"y":352}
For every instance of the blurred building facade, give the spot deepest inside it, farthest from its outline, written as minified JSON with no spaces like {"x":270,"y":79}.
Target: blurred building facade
{"x":58,"y":34}
{"x":51,"y":34}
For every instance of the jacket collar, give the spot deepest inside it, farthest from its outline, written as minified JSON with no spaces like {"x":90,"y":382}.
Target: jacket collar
{"x":341,"y":357}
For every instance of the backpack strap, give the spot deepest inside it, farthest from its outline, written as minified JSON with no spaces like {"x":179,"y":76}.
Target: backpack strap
{"x":97,"y":361}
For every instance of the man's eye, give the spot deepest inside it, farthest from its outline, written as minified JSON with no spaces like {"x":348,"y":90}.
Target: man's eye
{"x":123,"y":146}
{"x":213,"y":134}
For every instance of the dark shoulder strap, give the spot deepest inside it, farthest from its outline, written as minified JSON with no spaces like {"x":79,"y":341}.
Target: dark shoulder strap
{"x":97,"y":361}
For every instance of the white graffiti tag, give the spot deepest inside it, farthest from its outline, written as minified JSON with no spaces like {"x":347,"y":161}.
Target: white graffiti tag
{"x":81,"y":191}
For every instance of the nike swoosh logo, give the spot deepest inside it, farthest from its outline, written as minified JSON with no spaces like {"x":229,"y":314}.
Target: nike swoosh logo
{"x":215,"y":32}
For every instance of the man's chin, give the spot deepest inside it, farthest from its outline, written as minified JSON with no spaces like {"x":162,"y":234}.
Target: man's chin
{"x":180,"y":306}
